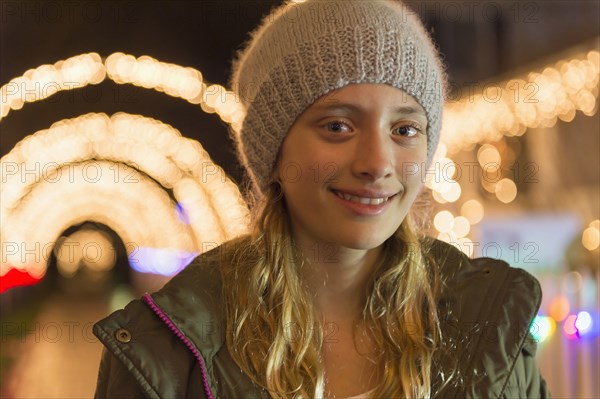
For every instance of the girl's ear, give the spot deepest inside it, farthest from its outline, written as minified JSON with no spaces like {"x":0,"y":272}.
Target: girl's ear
{"x":276,"y":172}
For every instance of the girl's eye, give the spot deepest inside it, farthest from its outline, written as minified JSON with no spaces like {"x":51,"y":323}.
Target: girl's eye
{"x":337,"y":127}
{"x":407,"y":130}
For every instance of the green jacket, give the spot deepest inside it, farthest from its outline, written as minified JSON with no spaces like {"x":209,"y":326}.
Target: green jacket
{"x":171,"y":344}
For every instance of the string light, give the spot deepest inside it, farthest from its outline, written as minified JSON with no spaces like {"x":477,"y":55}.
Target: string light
{"x":472,"y":210}
{"x":506,"y":190}
{"x":212,"y":203}
{"x":461,"y":226}
{"x":46,"y":80}
{"x":590,"y":238}
{"x":538,"y":99}
{"x":510,"y":107}
{"x":105,"y":169}
{"x":488,"y":154}
{"x":144,"y":71}
{"x":443,"y":221}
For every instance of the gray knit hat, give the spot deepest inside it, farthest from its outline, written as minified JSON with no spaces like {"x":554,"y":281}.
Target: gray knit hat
{"x":302,"y":51}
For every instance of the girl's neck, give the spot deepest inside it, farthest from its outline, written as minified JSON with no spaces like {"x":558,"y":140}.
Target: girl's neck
{"x":338,"y":277}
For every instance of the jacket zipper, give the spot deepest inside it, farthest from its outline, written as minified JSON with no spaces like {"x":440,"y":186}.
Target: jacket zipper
{"x":163,"y":316}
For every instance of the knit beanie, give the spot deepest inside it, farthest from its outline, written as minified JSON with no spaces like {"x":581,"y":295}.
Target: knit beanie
{"x":303,"y":50}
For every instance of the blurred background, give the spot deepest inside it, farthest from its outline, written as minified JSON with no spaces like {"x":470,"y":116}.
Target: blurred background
{"x":117,"y":168}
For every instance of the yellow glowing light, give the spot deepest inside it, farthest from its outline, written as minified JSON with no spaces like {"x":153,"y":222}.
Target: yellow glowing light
{"x":453,"y":192}
{"x":443,"y":221}
{"x":489,"y":185}
{"x":144,"y":71}
{"x":591,"y":238}
{"x":447,"y":168}
{"x":538,"y":98}
{"x":440,"y":152}
{"x":441,"y":185}
{"x":90,"y":248}
{"x":510,"y":107}
{"x":461,"y":226}
{"x":67,"y":261}
{"x":488,"y":155}
{"x":559,"y":308}
{"x":506,"y":190}
{"x":96,"y":168}
{"x":46,"y":80}
{"x":542,"y":328}
{"x":595,"y":223}
{"x":472,"y":210}
{"x":438,"y":197}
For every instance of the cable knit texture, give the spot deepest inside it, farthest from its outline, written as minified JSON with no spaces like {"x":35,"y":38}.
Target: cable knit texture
{"x":302,"y":51}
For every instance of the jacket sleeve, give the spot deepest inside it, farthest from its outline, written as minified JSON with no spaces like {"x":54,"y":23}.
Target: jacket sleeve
{"x":114,"y":381}
{"x":526,"y":380}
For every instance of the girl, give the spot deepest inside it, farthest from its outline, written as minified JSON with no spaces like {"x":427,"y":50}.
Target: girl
{"x":332,"y":294}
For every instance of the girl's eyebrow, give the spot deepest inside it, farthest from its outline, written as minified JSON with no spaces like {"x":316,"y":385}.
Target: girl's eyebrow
{"x":409,"y":110}
{"x":349,"y":107}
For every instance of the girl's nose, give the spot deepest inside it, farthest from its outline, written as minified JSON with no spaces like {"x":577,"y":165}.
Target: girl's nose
{"x":373,"y":158}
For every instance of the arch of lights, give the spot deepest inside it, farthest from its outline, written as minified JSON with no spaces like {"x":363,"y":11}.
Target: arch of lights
{"x":85,"y":69}
{"x":539,"y":98}
{"x":115,"y":170}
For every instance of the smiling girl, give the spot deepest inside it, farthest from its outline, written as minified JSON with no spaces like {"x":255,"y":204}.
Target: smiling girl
{"x":333,"y":294}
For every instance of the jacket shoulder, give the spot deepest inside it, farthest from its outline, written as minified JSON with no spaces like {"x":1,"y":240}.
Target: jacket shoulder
{"x":193,"y":299}
{"x":137,"y":340}
{"x":132,"y":337}
{"x":458,"y":271}
{"x":486,"y":308}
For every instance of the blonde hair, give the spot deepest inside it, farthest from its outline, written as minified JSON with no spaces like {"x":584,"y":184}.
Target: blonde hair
{"x":267,"y":304}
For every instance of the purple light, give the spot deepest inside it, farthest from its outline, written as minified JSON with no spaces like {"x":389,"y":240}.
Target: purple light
{"x":166,"y":262}
{"x":182,"y":214}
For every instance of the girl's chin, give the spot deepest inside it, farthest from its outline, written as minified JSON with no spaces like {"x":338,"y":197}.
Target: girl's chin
{"x":360,"y":242}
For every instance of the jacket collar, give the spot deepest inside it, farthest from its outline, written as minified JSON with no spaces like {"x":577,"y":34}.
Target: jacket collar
{"x":192,"y":300}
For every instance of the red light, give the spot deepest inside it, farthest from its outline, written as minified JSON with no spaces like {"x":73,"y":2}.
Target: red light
{"x":569,"y":326}
{"x":16,"y":278}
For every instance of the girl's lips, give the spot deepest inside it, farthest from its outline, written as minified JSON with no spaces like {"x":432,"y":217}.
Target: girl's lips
{"x":366,"y":193}
{"x":359,"y":205}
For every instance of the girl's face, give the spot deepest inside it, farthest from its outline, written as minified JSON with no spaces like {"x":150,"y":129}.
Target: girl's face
{"x":350,"y":166}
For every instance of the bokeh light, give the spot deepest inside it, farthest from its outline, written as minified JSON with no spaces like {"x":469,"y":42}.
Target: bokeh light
{"x":542,"y":328}
{"x":569,"y":327}
{"x":563,"y":88}
{"x":559,"y":308}
{"x":87,"y":177}
{"x":461,"y":226}
{"x":506,"y":190}
{"x":584,"y":322}
{"x":591,"y":238}
{"x":443,"y":221}
{"x":472,"y":210}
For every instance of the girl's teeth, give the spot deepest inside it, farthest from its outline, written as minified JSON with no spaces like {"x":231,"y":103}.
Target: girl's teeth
{"x":362,"y":200}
